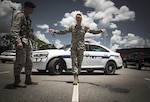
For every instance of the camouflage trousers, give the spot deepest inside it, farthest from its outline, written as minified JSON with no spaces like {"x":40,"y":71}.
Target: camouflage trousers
{"x":76,"y":57}
{"x":23,"y":60}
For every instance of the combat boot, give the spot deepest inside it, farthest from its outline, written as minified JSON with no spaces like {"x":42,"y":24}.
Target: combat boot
{"x":28,"y":81}
{"x":75,"y":79}
{"x":17,"y":82}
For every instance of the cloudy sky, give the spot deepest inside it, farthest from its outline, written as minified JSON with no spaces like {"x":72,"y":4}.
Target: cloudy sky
{"x":126,"y":21}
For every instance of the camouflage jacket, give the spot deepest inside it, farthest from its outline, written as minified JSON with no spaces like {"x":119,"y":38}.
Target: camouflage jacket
{"x":78,"y":33}
{"x":21,"y":29}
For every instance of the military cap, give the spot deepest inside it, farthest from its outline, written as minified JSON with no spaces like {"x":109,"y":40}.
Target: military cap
{"x":29,"y":4}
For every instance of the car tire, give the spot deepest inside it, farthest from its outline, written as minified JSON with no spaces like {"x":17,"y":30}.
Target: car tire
{"x":41,"y":71}
{"x":138,"y":66}
{"x":3,"y":61}
{"x":125,"y":64}
{"x":55,"y":67}
{"x":110,"y":68}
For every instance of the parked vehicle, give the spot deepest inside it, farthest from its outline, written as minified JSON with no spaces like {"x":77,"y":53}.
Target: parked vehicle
{"x":137,"y":59}
{"x":8,"y":55}
{"x":96,"y":57}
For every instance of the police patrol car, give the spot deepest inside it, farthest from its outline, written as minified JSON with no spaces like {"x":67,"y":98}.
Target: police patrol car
{"x":96,"y":57}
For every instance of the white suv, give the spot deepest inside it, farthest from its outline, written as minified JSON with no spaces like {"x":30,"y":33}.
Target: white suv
{"x":96,"y":57}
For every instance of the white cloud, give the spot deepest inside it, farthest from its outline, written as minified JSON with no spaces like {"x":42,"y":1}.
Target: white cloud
{"x":58,"y":43}
{"x":41,"y":36}
{"x":44,"y":26}
{"x":106,"y":12}
{"x":112,"y":25}
{"x":114,"y":47}
{"x":117,"y":38}
{"x":69,"y":19}
{"x":147,"y":41}
{"x":98,"y":5}
{"x":134,"y":41}
{"x":6,"y":14}
{"x":124,"y":14}
{"x":128,"y":41}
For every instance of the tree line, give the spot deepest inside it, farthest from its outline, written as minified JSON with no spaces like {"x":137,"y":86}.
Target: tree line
{"x":6,"y":43}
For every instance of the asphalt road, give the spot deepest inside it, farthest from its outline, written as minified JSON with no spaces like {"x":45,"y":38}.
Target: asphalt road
{"x":127,"y":85}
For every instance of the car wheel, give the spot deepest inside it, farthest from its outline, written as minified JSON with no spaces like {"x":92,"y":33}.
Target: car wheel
{"x":3,"y":61}
{"x":55,"y":67}
{"x":110,"y":68}
{"x":138,"y":66}
{"x":124,"y":64}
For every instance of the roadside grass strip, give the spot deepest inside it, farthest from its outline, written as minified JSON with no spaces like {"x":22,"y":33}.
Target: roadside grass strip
{"x":75,"y":94}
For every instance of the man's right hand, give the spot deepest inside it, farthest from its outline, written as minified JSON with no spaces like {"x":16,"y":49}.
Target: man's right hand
{"x":19,"y":45}
{"x":51,"y":30}
{"x":104,"y":31}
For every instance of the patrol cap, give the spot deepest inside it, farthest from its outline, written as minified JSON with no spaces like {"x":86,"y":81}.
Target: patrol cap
{"x":29,"y":4}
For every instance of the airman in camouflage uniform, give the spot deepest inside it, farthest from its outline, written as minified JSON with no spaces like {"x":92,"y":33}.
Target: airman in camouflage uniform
{"x":22,"y":32}
{"x":77,"y":44}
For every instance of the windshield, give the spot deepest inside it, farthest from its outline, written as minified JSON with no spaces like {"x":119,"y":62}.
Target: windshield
{"x":65,"y":47}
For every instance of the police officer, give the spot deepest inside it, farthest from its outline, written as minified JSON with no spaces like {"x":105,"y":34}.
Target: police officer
{"x":77,"y":43}
{"x":22,"y":32}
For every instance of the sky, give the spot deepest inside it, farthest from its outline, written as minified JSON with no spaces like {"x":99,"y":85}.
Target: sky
{"x":126,"y":21}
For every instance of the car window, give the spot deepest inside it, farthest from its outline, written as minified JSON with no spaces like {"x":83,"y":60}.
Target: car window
{"x":131,"y":56}
{"x":86,"y":48}
{"x":96,"y":48}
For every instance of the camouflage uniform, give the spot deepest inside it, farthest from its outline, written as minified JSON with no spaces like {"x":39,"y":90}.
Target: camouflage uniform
{"x":77,"y":44}
{"x":21,"y":31}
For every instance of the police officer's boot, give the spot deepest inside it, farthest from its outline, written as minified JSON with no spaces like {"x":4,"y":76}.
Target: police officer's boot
{"x":75,"y":79}
{"x":28,"y":81}
{"x":17,"y":82}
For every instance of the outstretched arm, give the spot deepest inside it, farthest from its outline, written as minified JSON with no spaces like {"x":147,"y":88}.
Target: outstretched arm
{"x":98,"y":31}
{"x":59,"y":31}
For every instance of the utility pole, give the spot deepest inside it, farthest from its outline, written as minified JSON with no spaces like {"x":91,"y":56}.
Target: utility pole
{"x":12,"y":17}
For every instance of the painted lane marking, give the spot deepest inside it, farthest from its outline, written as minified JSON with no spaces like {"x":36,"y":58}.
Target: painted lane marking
{"x":148,"y":79}
{"x":5,"y":72}
{"x":75,"y":94}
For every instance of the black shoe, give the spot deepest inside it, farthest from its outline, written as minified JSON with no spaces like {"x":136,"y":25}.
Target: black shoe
{"x":31,"y":82}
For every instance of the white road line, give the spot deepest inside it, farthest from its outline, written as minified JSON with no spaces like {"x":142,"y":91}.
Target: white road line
{"x":75,"y":94}
{"x":5,"y":72}
{"x":148,"y":79}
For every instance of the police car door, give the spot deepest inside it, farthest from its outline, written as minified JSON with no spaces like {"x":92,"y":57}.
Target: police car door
{"x":94,"y":57}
